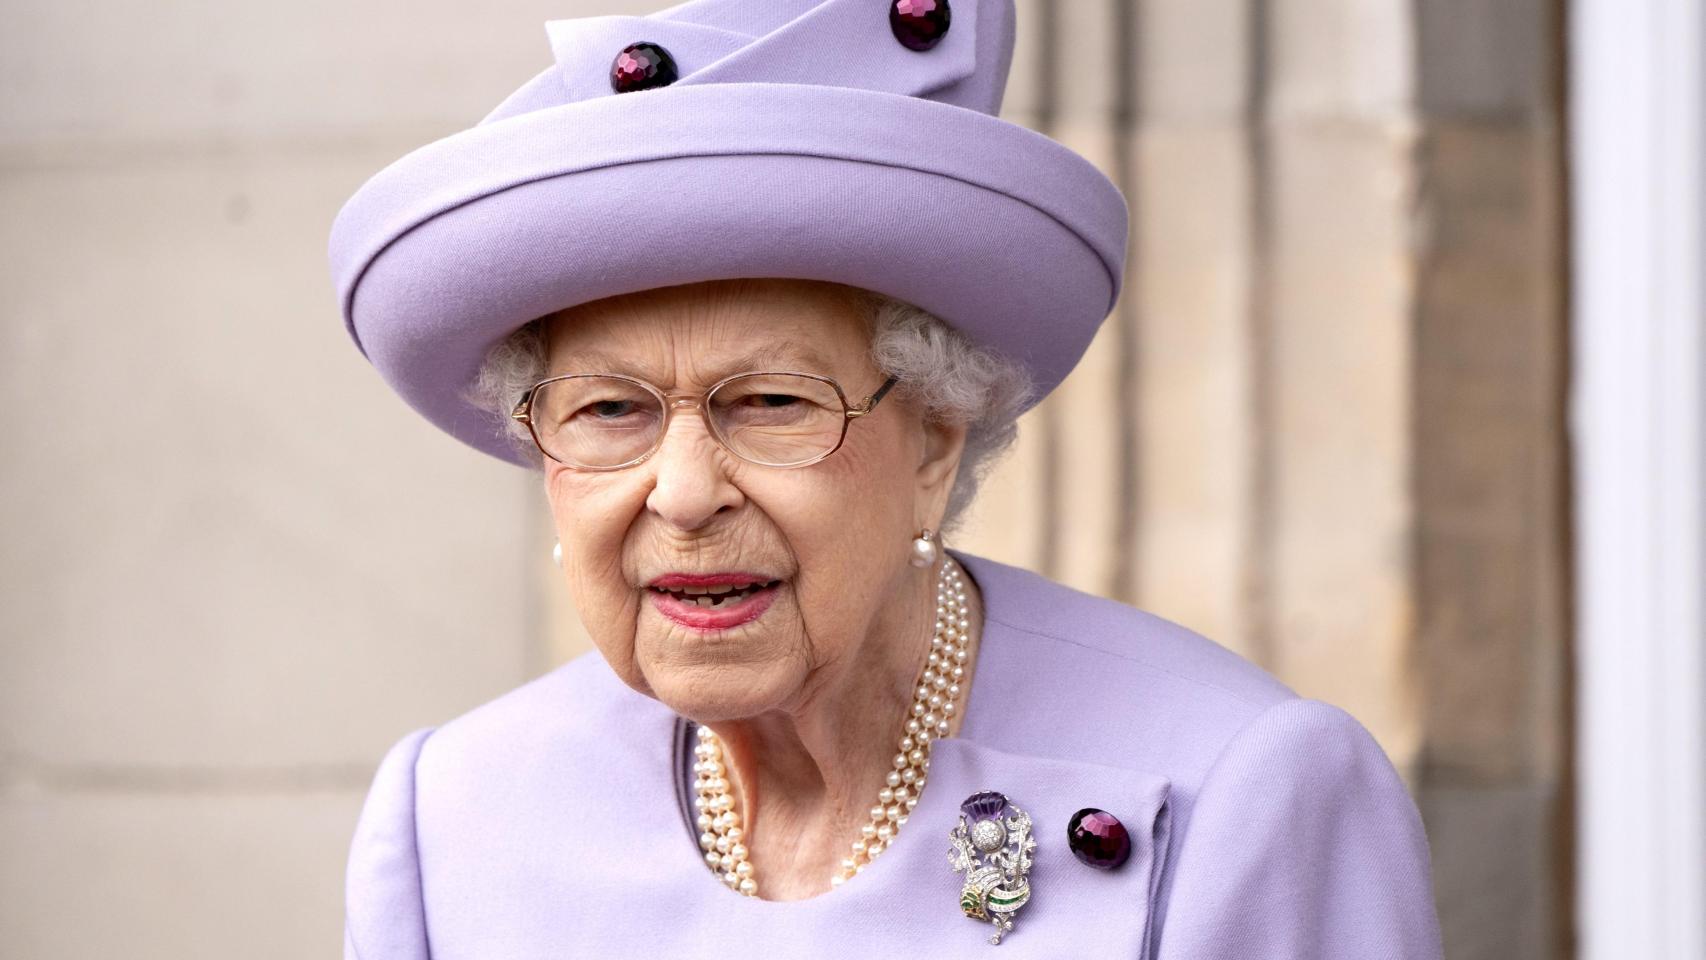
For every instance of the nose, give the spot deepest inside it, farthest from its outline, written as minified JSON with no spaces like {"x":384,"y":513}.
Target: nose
{"x":690,"y":472}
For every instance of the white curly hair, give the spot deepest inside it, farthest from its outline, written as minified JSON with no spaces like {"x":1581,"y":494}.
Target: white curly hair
{"x":952,"y":379}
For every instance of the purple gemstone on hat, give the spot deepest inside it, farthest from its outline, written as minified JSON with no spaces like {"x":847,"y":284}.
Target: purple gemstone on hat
{"x":1098,"y":838}
{"x":918,"y":24}
{"x":987,"y":805}
{"x":642,"y":66}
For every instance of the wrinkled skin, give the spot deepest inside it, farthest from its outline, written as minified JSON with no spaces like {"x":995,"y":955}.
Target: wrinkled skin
{"x":808,"y":698}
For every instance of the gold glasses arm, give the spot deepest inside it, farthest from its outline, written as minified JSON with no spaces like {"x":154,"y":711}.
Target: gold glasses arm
{"x":523,"y":411}
{"x":872,"y":400}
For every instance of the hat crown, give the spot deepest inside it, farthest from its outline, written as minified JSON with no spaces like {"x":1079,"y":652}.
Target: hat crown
{"x":834,"y":43}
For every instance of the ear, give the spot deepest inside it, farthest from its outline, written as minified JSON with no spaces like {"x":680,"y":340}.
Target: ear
{"x":939,"y":465}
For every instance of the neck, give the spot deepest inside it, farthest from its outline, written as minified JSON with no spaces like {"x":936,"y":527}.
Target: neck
{"x":806,"y":778}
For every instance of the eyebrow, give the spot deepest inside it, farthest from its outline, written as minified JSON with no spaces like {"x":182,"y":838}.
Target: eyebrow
{"x":792,"y":357}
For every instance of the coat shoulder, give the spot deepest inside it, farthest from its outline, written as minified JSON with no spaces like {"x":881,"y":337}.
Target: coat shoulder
{"x":1119,"y":636}
{"x":1080,"y":669}
{"x":580,"y":709}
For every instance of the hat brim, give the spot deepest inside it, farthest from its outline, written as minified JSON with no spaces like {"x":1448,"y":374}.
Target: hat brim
{"x":1003,"y":233}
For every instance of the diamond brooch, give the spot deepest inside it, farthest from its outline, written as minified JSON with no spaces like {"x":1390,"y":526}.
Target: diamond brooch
{"x":992,"y":846}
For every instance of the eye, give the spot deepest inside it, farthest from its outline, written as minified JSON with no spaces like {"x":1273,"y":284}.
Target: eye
{"x":765,"y":407}
{"x":773,"y":399}
{"x":608,"y":409}
{"x":616,"y":413}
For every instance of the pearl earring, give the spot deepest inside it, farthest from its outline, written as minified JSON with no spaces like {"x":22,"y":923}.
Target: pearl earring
{"x":924,"y":549}
{"x":557,"y":553}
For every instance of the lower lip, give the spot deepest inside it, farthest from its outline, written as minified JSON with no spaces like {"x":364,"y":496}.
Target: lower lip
{"x":721,"y":617}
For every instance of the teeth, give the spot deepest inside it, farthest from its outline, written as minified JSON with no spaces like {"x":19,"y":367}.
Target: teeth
{"x":712,"y":596}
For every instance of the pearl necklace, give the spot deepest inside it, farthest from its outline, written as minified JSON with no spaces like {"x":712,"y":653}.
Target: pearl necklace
{"x":935,"y":700}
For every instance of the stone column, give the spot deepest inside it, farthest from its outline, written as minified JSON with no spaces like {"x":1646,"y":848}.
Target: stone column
{"x":1324,"y":426}
{"x":1492,"y":581}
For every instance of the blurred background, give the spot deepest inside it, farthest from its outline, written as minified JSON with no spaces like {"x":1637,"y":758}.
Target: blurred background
{"x":1401,"y":402}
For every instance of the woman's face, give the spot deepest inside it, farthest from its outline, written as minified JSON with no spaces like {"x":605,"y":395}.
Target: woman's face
{"x":821,"y":551}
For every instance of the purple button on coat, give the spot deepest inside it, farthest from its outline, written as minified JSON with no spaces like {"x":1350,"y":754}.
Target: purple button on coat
{"x":553,"y":822}
{"x":1098,"y":839}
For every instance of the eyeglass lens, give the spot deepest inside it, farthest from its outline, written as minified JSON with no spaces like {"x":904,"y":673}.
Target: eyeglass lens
{"x":770,"y":418}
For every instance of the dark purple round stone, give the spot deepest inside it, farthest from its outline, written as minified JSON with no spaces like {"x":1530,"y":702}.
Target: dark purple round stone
{"x":918,"y":24}
{"x":1098,"y":838}
{"x":642,"y":66}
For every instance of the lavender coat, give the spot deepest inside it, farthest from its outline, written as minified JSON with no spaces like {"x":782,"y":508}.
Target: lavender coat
{"x":554,"y":821}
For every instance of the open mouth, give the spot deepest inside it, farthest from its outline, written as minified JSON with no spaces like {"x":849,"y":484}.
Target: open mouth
{"x":710,"y":606}
{"x":713,"y":597}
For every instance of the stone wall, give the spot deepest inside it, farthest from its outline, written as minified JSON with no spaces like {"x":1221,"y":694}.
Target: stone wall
{"x":1321,"y":428}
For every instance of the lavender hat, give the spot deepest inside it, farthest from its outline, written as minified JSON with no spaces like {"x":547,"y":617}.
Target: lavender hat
{"x":844,"y":140}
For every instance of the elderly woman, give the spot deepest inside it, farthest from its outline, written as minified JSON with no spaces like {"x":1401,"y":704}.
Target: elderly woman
{"x":761,"y":287}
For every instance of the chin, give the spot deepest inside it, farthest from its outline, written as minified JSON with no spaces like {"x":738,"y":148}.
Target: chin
{"x":713,"y":692}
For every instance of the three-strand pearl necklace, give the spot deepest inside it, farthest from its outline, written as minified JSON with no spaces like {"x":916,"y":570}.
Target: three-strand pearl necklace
{"x":935,"y":700}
